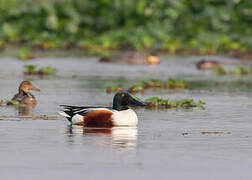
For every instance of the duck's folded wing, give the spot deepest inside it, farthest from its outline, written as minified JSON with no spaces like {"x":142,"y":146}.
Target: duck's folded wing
{"x":76,"y":114}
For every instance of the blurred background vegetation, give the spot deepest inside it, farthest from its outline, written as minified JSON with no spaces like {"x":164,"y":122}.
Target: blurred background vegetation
{"x":205,"y":26}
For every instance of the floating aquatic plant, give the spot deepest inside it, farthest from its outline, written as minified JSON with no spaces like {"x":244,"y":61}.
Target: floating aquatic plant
{"x":31,"y":70}
{"x":238,"y":71}
{"x":156,"y":102}
{"x":153,"y":84}
{"x":112,"y":89}
{"x":241,"y":71}
{"x":220,"y":71}
{"x":25,"y":54}
{"x":12,"y":102}
{"x":138,"y":87}
{"x":47,"y":71}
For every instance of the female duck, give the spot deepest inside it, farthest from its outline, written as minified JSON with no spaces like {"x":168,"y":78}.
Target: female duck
{"x":119,"y":115}
{"x":208,"y":65}
{"x":24,"y":96}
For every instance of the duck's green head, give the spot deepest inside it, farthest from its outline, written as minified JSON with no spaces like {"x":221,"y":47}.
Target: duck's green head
{"x":122,"y":101}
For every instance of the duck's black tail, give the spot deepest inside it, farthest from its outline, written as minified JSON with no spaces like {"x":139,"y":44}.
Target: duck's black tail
{"x":67,"y":112}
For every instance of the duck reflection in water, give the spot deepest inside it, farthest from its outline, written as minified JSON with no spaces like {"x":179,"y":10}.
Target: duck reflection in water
{"x":117,"y":137}
{"x":25,"y":110}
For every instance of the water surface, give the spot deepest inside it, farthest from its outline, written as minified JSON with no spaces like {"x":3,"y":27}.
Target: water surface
{"x":166,"y":144}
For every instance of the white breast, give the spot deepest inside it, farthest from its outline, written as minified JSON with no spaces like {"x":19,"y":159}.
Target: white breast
{"x":125,"y":118}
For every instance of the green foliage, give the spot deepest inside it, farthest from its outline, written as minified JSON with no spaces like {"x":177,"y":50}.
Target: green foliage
{"x":206,"y":26}
{"x":158,"y":103}
{"x":1,"y":44}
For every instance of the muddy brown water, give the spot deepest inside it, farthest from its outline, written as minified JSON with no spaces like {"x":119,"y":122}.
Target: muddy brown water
{"x":166,"y":144}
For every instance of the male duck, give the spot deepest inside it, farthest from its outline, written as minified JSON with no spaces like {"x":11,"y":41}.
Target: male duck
{"x":24,"y":96}
{"x":119,"y":115}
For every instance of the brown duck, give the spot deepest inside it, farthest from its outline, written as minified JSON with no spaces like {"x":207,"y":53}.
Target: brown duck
{"x":24,"y":96}
{"x":132,"y":58}
{"x":208,"y":65}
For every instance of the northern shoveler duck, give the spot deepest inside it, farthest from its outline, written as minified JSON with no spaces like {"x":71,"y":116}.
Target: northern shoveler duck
{"x":24,"y":96}
{"x":208,"y":65}
{"x":119,"y":115}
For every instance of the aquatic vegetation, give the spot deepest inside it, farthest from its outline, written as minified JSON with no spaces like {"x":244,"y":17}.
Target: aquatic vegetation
{"x":158,"y":103}
{"x":241,"y":71}
{"x":25,"y":54}
{"x":1,"y":44}
{"x":47,"y":71}
{"x":138,"y":87}
{"x":1,"y":102}
{"x":12,"y":102}
{"x":113,"y":89}
{"x":238,"y":71}
{"x":220,"y":71}
{"x":176,"y":84}
{"x":153,"y":84}
{"x":157,"y":84}
{"x":31,"y":70}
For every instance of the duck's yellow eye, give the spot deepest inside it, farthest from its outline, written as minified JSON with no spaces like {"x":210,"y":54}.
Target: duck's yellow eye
{"x":123,"y":94}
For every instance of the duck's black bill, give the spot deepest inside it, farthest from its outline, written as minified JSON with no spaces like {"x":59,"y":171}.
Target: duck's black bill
{"x":135,"y":102}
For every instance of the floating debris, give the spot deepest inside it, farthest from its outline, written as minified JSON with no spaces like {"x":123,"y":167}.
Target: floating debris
{"x":185,"y":134}
{"x":43,"y":117}
{"x":215,"y":132}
